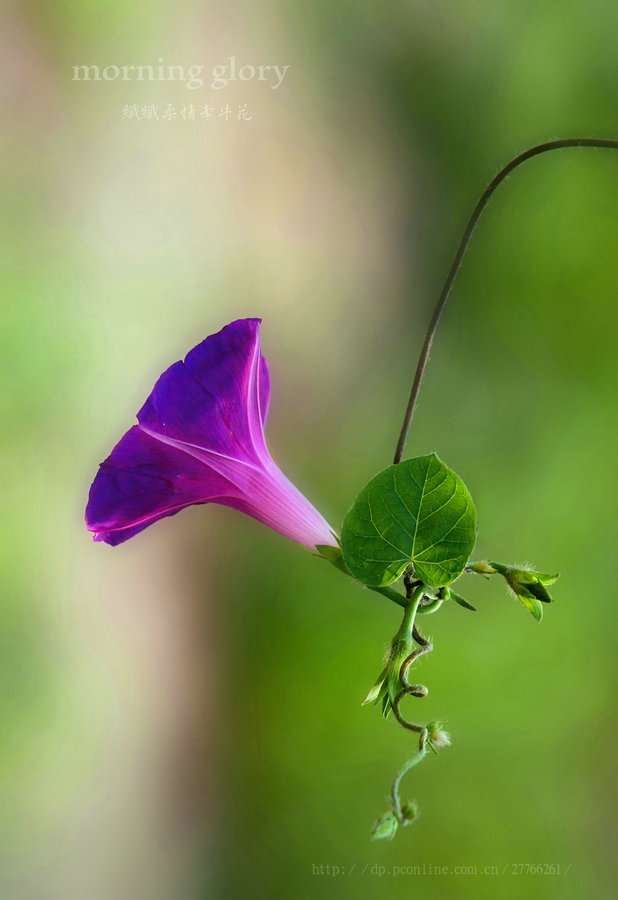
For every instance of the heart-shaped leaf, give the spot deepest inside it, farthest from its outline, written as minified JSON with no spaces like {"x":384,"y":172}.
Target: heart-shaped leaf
{"x":418,"y":511}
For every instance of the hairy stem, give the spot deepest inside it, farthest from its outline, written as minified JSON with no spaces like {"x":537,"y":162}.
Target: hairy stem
{"x":412,"y":690}
{"x":409,"y":764}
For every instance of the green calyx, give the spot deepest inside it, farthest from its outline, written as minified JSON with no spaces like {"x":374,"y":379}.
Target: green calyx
{"x":389,"y":683}
{"x":529,"y":586}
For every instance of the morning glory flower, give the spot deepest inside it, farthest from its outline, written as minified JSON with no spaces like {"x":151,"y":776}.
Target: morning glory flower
{"x":200,"y":439}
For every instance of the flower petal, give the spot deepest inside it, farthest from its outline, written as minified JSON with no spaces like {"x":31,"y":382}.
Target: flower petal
{"x":144,"y":480}
{"x":217,"y":398}
{"x":271,"y":498}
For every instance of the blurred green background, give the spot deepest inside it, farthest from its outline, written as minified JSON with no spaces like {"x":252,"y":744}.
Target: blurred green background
{"x":181,"y":715}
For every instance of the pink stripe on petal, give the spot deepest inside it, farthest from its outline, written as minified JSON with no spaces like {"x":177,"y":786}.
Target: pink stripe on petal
{"x":278,"y":503}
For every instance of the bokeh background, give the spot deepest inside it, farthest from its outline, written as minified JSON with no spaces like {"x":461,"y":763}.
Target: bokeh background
{"x":181,"y":715}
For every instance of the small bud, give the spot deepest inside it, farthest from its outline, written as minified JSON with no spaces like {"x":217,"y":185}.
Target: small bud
{"x":482,"y":568}
{"x":436,"y":736}
{"x":409,"y":812}
{"x":418,"y":690}
{"x":385,"y":828}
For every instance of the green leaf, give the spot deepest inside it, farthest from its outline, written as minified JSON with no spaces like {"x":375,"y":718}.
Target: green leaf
{"x":417,"y":511}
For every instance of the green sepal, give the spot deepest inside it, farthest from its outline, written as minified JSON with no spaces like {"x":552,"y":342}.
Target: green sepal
{"x":458,"y":599}
{"x":334,"y":556}
{"x":529,"y":586}
{"x":389,"y":684}
{"x":385,"y":828}
{"x":378,"y":690}
{"x":547,"y":579}
{"x":532,"y":604}
{"x":539,"y":591}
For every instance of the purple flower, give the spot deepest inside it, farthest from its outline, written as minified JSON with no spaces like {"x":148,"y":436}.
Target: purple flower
{"x":200,"y":439}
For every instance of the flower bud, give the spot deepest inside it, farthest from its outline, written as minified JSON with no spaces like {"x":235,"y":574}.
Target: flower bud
{"x":409,"y":812}
{"x":529,"y":586}
{"x":385,"y":828}
{"x":482,"y":568}
{"x":436,"y":736}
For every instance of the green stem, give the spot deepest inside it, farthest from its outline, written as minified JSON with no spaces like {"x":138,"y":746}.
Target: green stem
{"x":392,"y":594}
{"x":412,"y":605}
{"x":459,"y":255}
{"x":409,"y":764}
{"x":334,"y":556}
{"x":423,"y":609}
{"x":413,"y":690}
{"x":431,"y":607}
